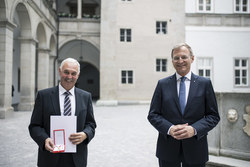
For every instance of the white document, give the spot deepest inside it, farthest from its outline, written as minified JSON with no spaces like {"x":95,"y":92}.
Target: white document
{"x":68,"y":123}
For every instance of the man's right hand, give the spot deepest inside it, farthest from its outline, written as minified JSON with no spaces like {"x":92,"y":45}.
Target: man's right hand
{"x":49,"y":144}
{"x":182,"y":131}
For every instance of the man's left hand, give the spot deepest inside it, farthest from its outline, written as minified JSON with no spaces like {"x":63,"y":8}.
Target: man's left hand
{"x":77,"y":138}
{"x":185,"y":132}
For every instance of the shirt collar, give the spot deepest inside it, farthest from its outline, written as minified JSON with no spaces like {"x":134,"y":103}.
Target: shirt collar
{"x":62,"y":90}
{"x":188,"y":76}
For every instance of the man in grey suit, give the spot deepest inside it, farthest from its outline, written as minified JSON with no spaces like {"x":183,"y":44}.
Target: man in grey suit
{"x":183,"y":109}
{"x":50,"y":102}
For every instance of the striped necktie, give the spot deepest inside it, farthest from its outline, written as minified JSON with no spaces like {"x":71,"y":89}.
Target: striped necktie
{"x":67,"y":104}
{"x":182,"y":94}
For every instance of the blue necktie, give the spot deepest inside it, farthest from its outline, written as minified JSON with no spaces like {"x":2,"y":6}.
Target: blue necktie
{"x":67,"y":104}
{"x":182,"y":94}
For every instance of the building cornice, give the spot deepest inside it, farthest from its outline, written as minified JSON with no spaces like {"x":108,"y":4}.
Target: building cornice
{"x":79,"y":35}
{"x":8,"y":24}
{"x":80,"y":20}
{"x":213,"y":19}
{"x":43,"y":50}
{"x":219,"y":14}
{"x":28,"y":40}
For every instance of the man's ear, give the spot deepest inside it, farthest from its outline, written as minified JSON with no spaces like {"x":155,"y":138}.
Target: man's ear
{"x":192,"y":59}
{"x":59,"y":69}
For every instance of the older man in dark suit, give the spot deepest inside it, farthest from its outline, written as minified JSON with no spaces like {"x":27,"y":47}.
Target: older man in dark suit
{"x":183,"y":109}
{"x":66,"y":100}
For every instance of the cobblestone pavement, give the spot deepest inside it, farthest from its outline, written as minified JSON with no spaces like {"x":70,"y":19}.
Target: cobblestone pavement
{"x":124,"y":138}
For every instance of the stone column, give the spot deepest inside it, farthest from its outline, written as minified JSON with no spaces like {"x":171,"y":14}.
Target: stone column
{"x":6,"y":58}
{"x":52,"y":70}
{"x":79,"y":9}
{"x":54,"y":4}
{"x":43,"y":68}
{"x":27,"y":65}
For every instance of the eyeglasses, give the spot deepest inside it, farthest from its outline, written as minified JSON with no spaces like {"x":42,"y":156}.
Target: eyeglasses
{"x":184,"y":58}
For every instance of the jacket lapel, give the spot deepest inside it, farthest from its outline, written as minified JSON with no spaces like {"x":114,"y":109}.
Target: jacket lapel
{"x":173,"y":89}
{"x":192,"y":90}
{"x":55,"y":100}
{"x":77,"y":95}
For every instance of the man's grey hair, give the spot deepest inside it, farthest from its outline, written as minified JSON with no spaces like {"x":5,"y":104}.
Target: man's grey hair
{"x":178,"y":46}
{"x":71,"y":60}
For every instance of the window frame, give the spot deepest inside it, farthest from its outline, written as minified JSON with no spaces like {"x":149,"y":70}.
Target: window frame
{"x":240,"y":68}
{"x":125,"y":36}
{"x":240,"y":5}
{"x":127,"y":77}
{"x":161,"y":65}
{"x":204,"y":67}
{"x":160,"y":29}
{"x":204,"y":6}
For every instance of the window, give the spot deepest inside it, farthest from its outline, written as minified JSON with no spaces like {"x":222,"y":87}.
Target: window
{"x":241,"y":72}
{"x":205,"y":67}
{"x":125,"y":35}
{"x":204,"y":5}
{"x":161,"y":65}
{"x":127,"y":77}
{"x":161,"y":27}
{"x":241,"y":6}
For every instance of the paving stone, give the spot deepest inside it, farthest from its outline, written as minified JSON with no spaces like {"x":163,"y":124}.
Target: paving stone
{"x":124,"y":138}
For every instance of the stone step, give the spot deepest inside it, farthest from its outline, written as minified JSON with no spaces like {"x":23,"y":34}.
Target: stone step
{"x":220,"y":161}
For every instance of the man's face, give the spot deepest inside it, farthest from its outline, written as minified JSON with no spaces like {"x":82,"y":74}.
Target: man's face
{"x":182,"y":60}
{"x":69,"y":75}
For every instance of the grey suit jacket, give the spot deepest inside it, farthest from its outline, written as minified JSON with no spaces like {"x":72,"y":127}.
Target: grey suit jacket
{"x":47,"y":104}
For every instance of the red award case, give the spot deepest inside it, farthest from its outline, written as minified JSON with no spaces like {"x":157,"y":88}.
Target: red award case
{"x":59,"y":140}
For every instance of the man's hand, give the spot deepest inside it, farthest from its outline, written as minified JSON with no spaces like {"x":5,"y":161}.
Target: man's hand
{"x":77,"y":138}
{"x":182,"y":131}
{"x":49,"y":145}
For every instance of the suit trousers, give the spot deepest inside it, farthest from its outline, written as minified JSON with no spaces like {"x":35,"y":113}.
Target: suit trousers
{"x":180,"y":163}
{"x":65,"y":160}
{"x":163,"y":163}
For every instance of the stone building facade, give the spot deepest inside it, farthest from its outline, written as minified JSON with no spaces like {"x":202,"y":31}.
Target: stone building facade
{"x":123,"y":46}
{"x":136,"y":43}
{"x":27,"y":48}
{"x":219,"y":32}
{"x":34,"y":42}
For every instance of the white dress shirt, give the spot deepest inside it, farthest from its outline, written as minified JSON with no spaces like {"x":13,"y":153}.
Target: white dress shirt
{"x":71,"y":97}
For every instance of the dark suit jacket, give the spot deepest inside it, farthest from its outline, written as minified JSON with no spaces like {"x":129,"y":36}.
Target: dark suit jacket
{"x":201,"y":112}
{"x":47,"y":104}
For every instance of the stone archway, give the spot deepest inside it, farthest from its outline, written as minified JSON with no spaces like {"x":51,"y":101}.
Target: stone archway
{"x":42,"y":59}
{"x":89,"y":58}
{"x":24,"y":47}
{"x":6,"y":42}
{"x":52,"y":65}
{"x":89,"y":79}
{"x":2,"y":10}
{"x":16,"y":63}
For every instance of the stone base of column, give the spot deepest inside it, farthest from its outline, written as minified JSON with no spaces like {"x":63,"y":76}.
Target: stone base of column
{"x":121,"y":102}
{"x":25,"y":106}
{"x":107,"y":103}
{"x":4,"y":112}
